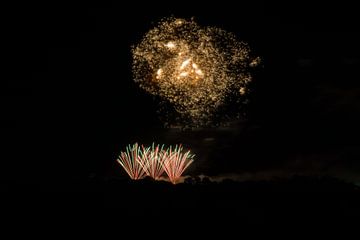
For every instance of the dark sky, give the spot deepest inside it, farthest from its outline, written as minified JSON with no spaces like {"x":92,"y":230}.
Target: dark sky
{"x":71,"y":105}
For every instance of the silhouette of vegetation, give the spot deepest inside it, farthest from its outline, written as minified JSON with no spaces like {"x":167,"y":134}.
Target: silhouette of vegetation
{"x":301,"y":199}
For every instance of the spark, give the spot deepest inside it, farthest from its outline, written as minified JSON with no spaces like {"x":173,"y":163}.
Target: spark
{"x":184,"y":74}
{"x":196,"y":68}
{"x":170,"y":45}
{"x":159,"y":73}
{"x":242,"y":91}
{"x":185,"y":63}
{"x":199,"y":72}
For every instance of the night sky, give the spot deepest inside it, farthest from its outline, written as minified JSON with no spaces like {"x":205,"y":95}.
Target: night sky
{"x":70,"y":105}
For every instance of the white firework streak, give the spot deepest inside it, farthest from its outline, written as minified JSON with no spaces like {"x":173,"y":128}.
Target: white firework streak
{"x":152,"y":160}
{"x":176,"y":162}
{"x":129,"y":160}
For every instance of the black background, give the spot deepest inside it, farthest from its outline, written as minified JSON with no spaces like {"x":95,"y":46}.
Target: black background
{"x":70,"y":104}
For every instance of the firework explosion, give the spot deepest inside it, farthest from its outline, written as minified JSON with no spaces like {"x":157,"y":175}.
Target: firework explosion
{"x":139,"y":162}
{"x":176,"y":163}
{"x":152,"y":160}
{"x":129,"y":160}
{"x":194,"y":69}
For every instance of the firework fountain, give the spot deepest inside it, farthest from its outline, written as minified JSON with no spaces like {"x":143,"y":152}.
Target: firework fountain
{"x":139,"y":161}
{"x":129,"y":160}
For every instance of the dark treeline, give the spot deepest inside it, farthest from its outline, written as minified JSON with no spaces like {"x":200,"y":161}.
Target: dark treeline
{"x":298,"y":199}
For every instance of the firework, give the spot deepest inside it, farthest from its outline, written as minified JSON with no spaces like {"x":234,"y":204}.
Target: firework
{"x":129,"y":160}
{"x":194,"y":69}
{"x":151,"y":160}
{"x":176,"y":162}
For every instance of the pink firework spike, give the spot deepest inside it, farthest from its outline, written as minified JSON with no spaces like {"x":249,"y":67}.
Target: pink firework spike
{"x":175,"y":162}
{"x":129,"y":160}
{"x":152,"y":161}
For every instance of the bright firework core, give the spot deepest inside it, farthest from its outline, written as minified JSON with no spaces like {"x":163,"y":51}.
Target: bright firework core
{"x":193,"y":68}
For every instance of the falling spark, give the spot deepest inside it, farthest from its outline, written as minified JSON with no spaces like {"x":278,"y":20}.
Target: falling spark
{"x":183,"y":74}
{"x":242,"y":91}
{"x":185,"y":63}
{"x":170,"y":45}
{"x":159,"y":73}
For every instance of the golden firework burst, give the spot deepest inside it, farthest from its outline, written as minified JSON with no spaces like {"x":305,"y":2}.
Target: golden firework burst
{"x":192,"y":67}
